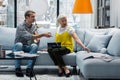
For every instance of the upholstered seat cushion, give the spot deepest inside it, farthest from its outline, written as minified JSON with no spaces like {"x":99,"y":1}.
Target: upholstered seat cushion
{"x":44,"y":59}
{"x":97,"y":68}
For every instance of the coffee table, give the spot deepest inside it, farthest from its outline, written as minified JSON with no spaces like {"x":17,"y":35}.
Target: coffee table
{"x":13,"y":57}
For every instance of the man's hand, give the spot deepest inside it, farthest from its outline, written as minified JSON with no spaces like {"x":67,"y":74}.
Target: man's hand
{"x":48,"y":34}
{"x":36,"y":40}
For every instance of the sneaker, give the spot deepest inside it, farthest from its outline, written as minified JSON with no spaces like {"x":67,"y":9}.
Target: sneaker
{"x":29,"y":72}
{"x":18,"y":72}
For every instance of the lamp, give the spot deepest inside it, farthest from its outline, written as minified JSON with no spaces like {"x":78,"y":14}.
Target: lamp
{"x":82,"y":6}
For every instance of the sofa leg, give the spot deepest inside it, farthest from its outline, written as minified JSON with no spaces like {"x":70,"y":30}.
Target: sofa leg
{"x":74,"y":71}
{"x":78,"y":72}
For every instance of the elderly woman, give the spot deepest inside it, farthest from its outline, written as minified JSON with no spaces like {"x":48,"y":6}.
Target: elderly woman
{"x":65,"y":35}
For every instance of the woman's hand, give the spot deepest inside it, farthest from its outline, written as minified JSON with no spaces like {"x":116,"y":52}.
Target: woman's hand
{"x":87,"y":49}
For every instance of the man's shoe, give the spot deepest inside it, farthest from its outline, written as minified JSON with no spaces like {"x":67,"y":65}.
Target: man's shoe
{"x":29,"y":72}
{"x":18,"y":72}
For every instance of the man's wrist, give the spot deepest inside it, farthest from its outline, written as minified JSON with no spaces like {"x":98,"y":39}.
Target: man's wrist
{"x":40,"y":35}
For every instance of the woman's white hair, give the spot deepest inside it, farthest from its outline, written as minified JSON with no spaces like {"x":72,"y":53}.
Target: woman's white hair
{"x":60,"y":17}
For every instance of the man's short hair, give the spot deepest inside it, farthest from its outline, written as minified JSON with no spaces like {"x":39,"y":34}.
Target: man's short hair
{"x":28,"y":13}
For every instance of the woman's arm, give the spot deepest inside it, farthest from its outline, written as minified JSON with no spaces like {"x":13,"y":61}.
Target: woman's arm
{"x":75,"y":37}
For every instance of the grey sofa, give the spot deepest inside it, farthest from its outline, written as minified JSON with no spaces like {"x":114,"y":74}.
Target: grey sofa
{"x":7,"y":37}
{"x":104,"y":41}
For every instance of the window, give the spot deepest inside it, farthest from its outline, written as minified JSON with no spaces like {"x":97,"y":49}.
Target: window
{"x":7,"y":13}
{"x":79,"y":20}
{"x":66,"y":8}
{"x":13,"y":13}
{"x":48,"y":16}
{"x":103,"y":11}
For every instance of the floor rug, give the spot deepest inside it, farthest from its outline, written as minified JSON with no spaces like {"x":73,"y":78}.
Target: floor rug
{"x":39,"y":77}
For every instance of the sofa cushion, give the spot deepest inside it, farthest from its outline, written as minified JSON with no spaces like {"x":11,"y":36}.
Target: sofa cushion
{"x":81,"y":35}
{"x":98,"y":42}
{"x":114,"y":44}
{"x":111,"y":31}
{"x":7,"y":37}
{"x":90,"y":33}
{"x":97,"y":68}
{"x":45,"y":40}
{"x":44,"y":59}
{"x":103,"y":50}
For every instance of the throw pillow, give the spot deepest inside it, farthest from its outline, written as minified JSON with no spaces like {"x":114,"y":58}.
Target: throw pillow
{"x":114,"y":44}
{"x":99,"y":42}
{"x":89,"y":35}
{"x":103,"y":50}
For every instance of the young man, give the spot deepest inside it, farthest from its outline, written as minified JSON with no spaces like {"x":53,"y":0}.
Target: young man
{"x":24,"y":41}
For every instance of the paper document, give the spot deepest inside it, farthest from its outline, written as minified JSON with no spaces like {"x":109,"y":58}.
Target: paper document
{"x":102,"y":56}
{"x":22,"y":54}
{"x":43,"y":51}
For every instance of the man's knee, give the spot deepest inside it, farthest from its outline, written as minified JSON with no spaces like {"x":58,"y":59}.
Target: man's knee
{"x":17,"y":47}
{"x":35,"y":46}
{"x":19,"y":44}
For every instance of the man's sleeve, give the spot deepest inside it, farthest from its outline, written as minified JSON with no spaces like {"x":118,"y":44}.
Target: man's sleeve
{"x":24,"y":33}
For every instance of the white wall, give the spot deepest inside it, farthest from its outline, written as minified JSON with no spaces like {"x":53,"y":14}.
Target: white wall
{"x":94,"y":15}
{"x":89,"y":20}
{"x":115,"y":13}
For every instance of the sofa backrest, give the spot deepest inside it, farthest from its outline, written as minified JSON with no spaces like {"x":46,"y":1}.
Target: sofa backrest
{"x":45,"y":40}
{"x":85,"y":35}
{"x":114,"y":44}
{"x":7,"y":37}
{"x":81,"y":35}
